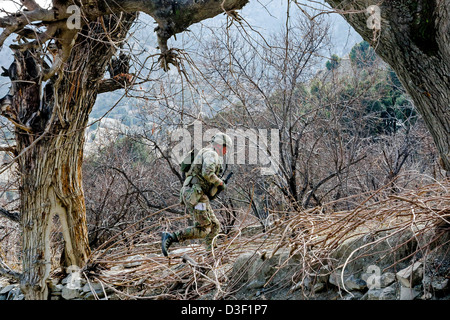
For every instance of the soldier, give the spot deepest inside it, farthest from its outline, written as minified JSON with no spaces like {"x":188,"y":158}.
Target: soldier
{"x":202,"y":177}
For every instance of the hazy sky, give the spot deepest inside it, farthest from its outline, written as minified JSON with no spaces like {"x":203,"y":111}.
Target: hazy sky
{"x":266,"y":16}
{"x":13,"y":5}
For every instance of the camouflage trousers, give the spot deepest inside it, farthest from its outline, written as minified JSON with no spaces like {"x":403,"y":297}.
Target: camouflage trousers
{"x":206,"y":225}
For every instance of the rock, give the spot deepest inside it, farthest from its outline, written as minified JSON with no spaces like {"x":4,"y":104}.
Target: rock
{"x":387,"y":279}
{"x":8,"y":288}
{"x":73,"y":281}
{"x":89,"y":296}
{"x":366,"y":254}
{"x":19,"y":297}
{"x":353,"y":283}
{"x":256,"y":284}
{"x":252,"y":230}
{"x":56,"y":290}
{"x":335,"y":279}
{"x":15,"y":294}
{"x":426,"y":296}
{"x":116,"y":268}
{"x":374,"y":294}
{"x":378,"y":281}
{"x":408,"y":293}
{"x":133,"y":261}
{"x":56,"y":293}
{"x":388,"y":293}
{"x":318,"y":287}
{"x":411,"y":276}
{"x":296,"y":286}
{"x":264,"y":267}
{"x":242,"y":265}
{"x":308,"y":284}
{"x":436,"y":286}
{"x":69,"y":293}
{"x":54,"y":286}
{"x":92,"y":286}
{"x":439,"y":284}
{"x":188,"y":249}
{"x":354,"y":296}
{"x":323,"y":275}
{"x":11,"y":292}
{"x":305,"y":283}
{"x":95,"y":291}
{"x":372,"y":276}
{"x":94,"y":296}
{"x":3,"y":283}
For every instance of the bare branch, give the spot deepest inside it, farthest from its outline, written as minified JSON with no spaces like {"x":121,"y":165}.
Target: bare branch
{"x":120,"y":81}
{"x":30,"y":4}
{"x":13,"y":216}
{"x":40,"y":37}
{"x":8,"y":272}
{"x":172,"y":17}
{"x":12,"y":24}
{"x":6,"y":148}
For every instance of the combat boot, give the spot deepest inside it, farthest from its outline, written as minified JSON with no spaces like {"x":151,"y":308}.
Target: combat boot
{"x":166,"y":241}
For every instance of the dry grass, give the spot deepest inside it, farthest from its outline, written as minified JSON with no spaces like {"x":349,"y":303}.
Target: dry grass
{"x":314,"y":234}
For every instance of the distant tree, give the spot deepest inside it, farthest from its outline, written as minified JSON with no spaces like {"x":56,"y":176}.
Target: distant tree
{"x":362,"y":54}
{"x":413,"y":39}
{"x":333,"y":63}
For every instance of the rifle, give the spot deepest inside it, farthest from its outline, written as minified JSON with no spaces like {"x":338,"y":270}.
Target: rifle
{"x":214,"y":192}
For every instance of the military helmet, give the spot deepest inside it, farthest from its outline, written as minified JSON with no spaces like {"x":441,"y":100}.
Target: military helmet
{"x":223,"y":139}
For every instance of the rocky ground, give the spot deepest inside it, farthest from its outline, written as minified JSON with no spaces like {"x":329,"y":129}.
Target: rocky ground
{"x":394,"y":249}
{"x":261,"y":274}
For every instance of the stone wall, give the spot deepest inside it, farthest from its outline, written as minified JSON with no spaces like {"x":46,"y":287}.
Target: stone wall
{"x":397,"y":267}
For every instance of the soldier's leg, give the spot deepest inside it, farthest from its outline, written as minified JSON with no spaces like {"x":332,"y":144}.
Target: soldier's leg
{"x":215,"y":228}
{"x":202,"y":225}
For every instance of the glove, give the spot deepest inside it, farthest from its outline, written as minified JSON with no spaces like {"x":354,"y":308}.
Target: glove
{"x":216,"y":190}
{"x":221,"y":187}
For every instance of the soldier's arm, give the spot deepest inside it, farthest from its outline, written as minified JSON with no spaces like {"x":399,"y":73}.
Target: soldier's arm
{"x":210,"y":162}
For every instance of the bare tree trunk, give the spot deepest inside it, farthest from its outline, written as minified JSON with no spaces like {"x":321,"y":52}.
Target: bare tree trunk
{"x":50,"y":139}
{"x":415,"y":40}
{"x":52,"y":187}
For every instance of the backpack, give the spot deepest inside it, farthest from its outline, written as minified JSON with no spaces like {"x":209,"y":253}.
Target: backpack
{"x":188,"y":160}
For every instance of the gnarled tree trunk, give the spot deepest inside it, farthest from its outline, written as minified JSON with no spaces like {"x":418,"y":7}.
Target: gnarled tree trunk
{"x":53,"y":138}
{"x":415,"y":40}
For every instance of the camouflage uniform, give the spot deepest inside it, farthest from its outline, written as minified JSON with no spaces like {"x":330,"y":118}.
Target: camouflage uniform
{"x":203,"y":175}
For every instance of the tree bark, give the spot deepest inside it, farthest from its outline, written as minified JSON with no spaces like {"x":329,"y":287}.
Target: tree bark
{"x":415,"y":40}
{"x":50,"y":169}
